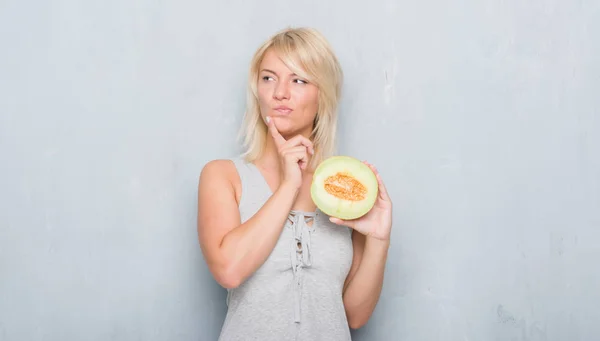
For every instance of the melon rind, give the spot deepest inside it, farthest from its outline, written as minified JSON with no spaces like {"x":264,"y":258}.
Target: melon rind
{"x":337,"y":207}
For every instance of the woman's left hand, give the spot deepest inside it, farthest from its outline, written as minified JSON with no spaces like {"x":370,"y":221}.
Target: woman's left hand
{"x":377,"y":223}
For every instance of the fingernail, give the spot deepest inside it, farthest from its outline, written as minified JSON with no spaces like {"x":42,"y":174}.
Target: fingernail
{"x":268,"y":119}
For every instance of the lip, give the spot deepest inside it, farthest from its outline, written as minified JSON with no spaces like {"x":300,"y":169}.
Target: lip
{"x":283,"y":109}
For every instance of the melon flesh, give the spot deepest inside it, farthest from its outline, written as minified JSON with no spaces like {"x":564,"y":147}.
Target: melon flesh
{"x":344,"y":187}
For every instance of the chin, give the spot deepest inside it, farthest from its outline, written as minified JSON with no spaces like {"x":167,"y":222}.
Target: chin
{"x":287,"y":130}
{"x":282,"y":122}
{"x":286,"y":126}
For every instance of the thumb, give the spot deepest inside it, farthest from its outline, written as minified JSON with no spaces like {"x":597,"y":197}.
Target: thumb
{"x":339,"y":221}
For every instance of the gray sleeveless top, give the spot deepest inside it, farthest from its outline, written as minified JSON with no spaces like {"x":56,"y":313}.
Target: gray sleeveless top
{"x":297,"y":293}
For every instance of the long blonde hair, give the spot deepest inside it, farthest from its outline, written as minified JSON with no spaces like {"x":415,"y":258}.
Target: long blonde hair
{"x":307,"y":53}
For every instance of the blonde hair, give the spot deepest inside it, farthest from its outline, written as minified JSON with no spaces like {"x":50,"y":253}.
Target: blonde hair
{"x":307,"y":53}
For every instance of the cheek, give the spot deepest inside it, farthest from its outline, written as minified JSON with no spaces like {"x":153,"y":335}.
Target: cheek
{"x":263,"y":95}
{"x":309,"y":99}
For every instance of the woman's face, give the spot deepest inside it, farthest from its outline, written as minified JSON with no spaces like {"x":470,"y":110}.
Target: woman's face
{"x":289,"y":100}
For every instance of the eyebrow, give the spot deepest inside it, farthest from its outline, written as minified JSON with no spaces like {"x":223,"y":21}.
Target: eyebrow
{"x":273,"y":72}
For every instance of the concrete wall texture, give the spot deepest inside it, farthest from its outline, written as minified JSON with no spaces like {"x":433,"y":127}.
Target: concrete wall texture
{"x":482,"y":116}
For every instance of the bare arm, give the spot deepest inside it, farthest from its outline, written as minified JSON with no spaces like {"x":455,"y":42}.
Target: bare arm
{"x":371,"y":241}
{"x":365,"y":280}
{"x":233,"y":251}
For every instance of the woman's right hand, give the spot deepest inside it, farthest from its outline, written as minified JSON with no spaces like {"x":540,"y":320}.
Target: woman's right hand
{"x":293,"y":155}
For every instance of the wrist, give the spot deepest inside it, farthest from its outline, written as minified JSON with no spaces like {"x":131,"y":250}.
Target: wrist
{"x":288,"y":188}
{"x":382,"y":244}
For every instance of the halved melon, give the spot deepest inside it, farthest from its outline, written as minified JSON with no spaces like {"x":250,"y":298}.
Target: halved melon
{"x":344,"y":187}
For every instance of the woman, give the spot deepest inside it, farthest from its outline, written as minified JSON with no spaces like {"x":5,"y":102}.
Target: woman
{"x":292,"y":272}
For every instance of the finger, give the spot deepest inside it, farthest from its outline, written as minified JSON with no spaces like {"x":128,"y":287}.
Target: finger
{"x":342,"y":222}
{"x":279,"y":140}
{"x":371,"y":167}
{"x":299,"y":139}
{"x":382,"y":189}
{"x":298,"y":154}
{"x":297,"y":150}
{"x":383,"y":193}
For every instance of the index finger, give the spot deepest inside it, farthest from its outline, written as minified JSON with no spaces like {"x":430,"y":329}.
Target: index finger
{"x":382,"y":190}
{"x":279,"y":140}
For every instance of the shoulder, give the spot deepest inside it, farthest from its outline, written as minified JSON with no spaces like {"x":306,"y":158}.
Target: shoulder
{"x":222,"y":173}
{"x":217,"y":168}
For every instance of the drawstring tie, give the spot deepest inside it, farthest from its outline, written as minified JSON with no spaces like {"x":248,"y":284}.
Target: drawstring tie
{"x":300,"y":253}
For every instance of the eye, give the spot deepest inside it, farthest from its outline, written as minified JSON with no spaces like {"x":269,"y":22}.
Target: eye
{"x":266,"y":78}
{"x":300,"y":81}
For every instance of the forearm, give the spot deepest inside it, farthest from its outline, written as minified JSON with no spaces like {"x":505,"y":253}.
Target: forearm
{"x":246,"y":247}
{"x":363,"y":291}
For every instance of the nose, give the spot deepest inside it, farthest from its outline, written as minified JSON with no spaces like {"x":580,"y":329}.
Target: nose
{"x":281,"y":91}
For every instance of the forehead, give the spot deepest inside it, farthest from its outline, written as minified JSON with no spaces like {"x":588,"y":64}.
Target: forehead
{"x":273,"y":61}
